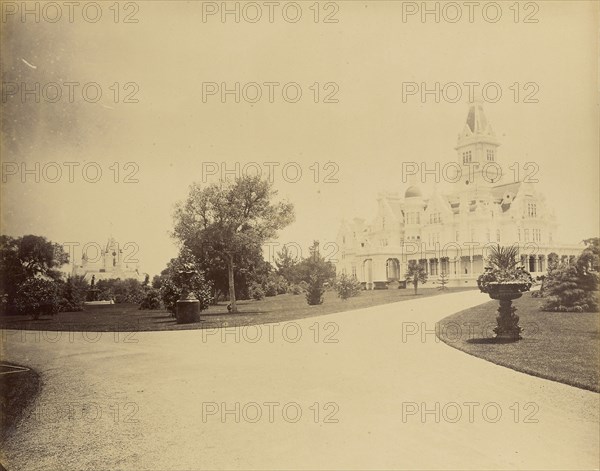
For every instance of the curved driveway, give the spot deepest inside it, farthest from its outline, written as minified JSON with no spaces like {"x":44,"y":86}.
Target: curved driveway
{"x":294,"y":399}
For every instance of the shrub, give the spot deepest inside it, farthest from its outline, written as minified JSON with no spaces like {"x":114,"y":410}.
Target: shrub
{"x":282,"y":285}
{"x":151,"y":300}
{"x":314,"y":293}
{"x":270,"y":288}
{"x":38,"y":296}
{"x":569,"y":289}
{"x":184,"y":272}
{"x":120,"y":291}
{"x":73,"y":293}
{"x":256,"y":291}
{"x":295,"y":289}
{"x":170,"y":294}
{"x":347,"y":286}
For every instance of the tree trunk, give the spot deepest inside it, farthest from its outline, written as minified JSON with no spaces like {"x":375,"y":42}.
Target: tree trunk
{"x":415,"y":284}
{"x":231,"y":284}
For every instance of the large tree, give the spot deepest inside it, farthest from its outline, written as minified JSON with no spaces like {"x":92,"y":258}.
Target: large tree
{"x":24,"y":258}
{"x":230,"y":219}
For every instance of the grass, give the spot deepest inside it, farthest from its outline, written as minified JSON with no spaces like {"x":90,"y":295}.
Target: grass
{"x":559,"y":346}
{"x":17,"y":391}
{"x":282,"y":308}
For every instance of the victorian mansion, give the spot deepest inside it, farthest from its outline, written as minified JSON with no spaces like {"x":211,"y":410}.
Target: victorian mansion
{"x":450,"y":232}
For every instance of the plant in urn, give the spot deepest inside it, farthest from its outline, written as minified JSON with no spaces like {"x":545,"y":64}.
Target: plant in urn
{"x":505,"y":281}
{"x":188,"y":305}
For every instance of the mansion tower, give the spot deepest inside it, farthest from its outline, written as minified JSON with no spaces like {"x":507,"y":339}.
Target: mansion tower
{"x":448,"y":232}
{"x":111,"y":263}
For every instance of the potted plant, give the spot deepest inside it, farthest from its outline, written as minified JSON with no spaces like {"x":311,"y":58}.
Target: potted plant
{"x":188,"y":305}
{"x":505,"y":279}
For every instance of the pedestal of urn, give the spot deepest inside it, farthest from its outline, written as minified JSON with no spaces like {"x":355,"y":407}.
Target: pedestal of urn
{"x":508,"y":322}
{"x":188,"y":309}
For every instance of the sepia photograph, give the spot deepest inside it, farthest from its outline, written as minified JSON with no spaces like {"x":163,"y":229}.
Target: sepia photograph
{"x":299,"y":235}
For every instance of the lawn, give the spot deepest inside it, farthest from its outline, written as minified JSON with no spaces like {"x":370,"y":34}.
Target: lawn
{"x":282,"y":308}
{"x":559,"y":346}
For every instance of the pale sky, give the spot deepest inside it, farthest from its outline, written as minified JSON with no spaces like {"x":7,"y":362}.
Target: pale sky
{"x":369,"y":53}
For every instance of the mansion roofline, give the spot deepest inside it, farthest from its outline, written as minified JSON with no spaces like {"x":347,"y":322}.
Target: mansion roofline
{"x":476,"y":212}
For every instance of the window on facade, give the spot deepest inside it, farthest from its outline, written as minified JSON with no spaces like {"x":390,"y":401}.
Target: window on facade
{"x":526,"y":235}
{"x":490,"y":155}
{"x":383,"y":223}
{"x":343,"y":239}
{"x":413,"y":218}
{"x":498,"y":236}
{"x":384,"y":242}
{"x":353,"y":271}
{"x":487,"y":235}
{"x":519,"y":234}
{"x":472,"y":235}
{"x":457,"y":235}
{"x":467,"y":157}
{"x":550,"y":237}
{"x":435,"y":218}
{"x":531,"y":210}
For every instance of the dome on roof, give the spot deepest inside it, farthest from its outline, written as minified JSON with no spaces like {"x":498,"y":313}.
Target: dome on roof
{"x":413,"y":191}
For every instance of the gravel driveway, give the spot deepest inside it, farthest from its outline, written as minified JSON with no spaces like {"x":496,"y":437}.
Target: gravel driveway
{"x":364,"y":389}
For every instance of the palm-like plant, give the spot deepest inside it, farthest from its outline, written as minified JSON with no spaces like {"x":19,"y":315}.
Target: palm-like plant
{"x":504,"y":267}
{"x":504,"y":279}
{"x":504,"y":258}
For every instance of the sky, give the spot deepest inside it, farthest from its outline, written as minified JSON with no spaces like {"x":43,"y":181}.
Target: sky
{"x":161,"y":122}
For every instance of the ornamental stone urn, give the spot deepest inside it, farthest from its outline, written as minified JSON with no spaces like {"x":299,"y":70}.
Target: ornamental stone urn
{"x":188,"y":306}
{"x":504,"y":280}
{"x":92,"y":292}
{"x":508,"y":322}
